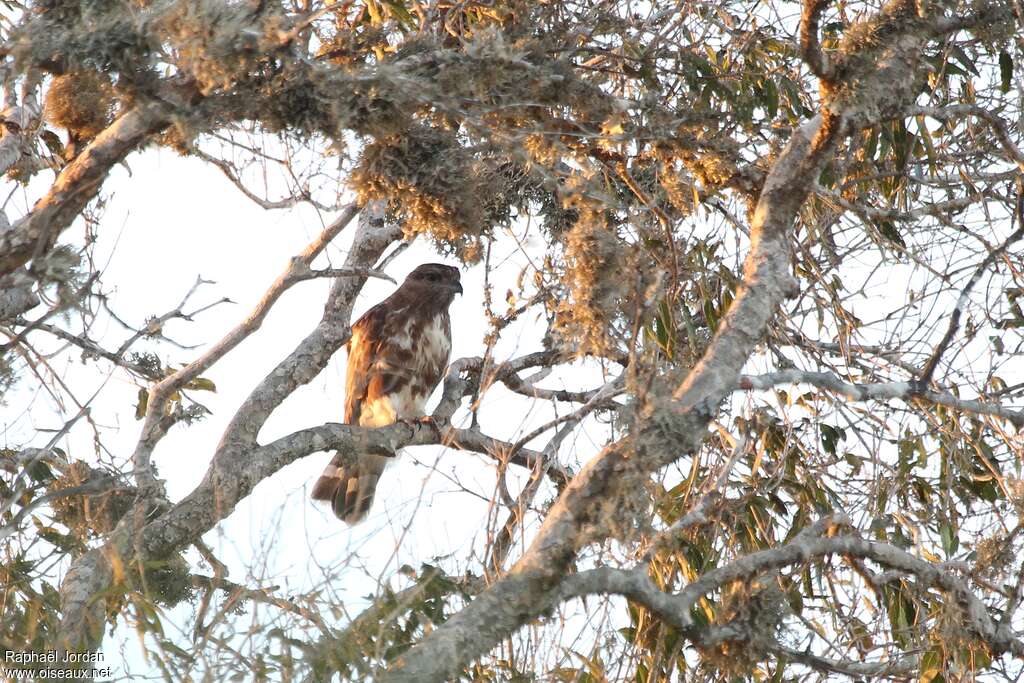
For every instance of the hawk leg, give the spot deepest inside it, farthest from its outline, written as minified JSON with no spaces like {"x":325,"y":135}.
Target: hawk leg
{"x":425,"y":420}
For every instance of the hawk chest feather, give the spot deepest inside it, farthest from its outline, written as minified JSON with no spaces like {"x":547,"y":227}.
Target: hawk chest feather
{"x":417,"y":355}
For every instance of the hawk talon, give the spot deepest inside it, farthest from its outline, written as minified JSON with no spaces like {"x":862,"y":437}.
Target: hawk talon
{"x":425,"y":420}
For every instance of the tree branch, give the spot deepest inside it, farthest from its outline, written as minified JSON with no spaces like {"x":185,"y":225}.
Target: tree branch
{"x":810,"y":48}
{"x":906,"y":391}
{"x":298,"y":270}
{"x":928,"y":371}
{"x":36,"y":232}
{"x":809,"y":545}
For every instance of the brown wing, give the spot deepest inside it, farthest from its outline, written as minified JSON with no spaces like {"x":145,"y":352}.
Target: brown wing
{"x":367,"y":356}
{"x":362,"y":349}
{"x":380,"y":357}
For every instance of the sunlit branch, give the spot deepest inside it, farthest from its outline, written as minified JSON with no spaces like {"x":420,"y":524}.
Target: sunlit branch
{"x":905,"y":391}
{"x":810,"y":545}
{"x":77,"y":184}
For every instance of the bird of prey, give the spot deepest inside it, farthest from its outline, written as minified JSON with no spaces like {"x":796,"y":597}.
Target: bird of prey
{"x":397,"y":354}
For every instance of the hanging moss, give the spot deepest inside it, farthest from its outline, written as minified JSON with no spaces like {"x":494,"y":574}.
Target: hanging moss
{"x":431,"y":183}
{"x":87,"y":515}
{"x":81,"y":102}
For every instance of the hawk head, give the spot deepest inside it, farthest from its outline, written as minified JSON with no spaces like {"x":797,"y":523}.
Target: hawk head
{"x":434,"y":281}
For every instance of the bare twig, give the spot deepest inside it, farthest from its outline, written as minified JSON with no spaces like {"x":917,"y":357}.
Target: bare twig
{"x":298,"y":270}
{"x":928,"y":371}
{"x":238,"y":593}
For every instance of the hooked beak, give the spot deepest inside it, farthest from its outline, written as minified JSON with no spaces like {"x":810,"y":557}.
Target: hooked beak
{"x":457,"y":287}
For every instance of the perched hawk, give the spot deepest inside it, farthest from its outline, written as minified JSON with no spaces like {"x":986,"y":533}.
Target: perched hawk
{"x":397,"y":354}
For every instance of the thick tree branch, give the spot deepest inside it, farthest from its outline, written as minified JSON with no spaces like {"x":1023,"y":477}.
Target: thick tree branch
{"x":149,"y":533}
{"x":35,"y":233}
{"x":810,"y":545}
{"x":16,"y":293}
{"x":572,"y":521}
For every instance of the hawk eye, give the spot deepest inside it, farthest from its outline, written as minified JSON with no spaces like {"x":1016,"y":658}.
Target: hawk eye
{"x":432,"y":277}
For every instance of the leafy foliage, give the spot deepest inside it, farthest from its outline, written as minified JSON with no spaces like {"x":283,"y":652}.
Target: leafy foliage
{"x":625,"y":151}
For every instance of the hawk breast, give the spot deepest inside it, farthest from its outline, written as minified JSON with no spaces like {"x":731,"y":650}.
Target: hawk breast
{"x":410,"y":362}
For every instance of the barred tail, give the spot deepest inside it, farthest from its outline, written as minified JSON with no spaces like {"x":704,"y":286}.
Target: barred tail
{"x":350,"y":489}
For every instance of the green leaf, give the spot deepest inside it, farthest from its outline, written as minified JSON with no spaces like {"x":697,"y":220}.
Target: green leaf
{"x":926,"y":138}
{"x":932,"y":665}
{"x":400,"y":13}
{"x":792,"y":94}
{"x":665,"y":329}
{"x":922,"y":489}
{"x":902,"y":612}
{"x":771,"y":99}
{"x":56,"y":147}
{"x":140,"y":407}
{"x":1005,"y":71}
{"x":889,"y":231}
{"x":40,"y":472}
{"x":966,"y":61}
{"x":795,"y":599}
{"x":950,"y":540}
{"x":202,"y":384}
{"x":987,"y":491}
{"x":830,"y":436}
{"x":871,"y":143}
